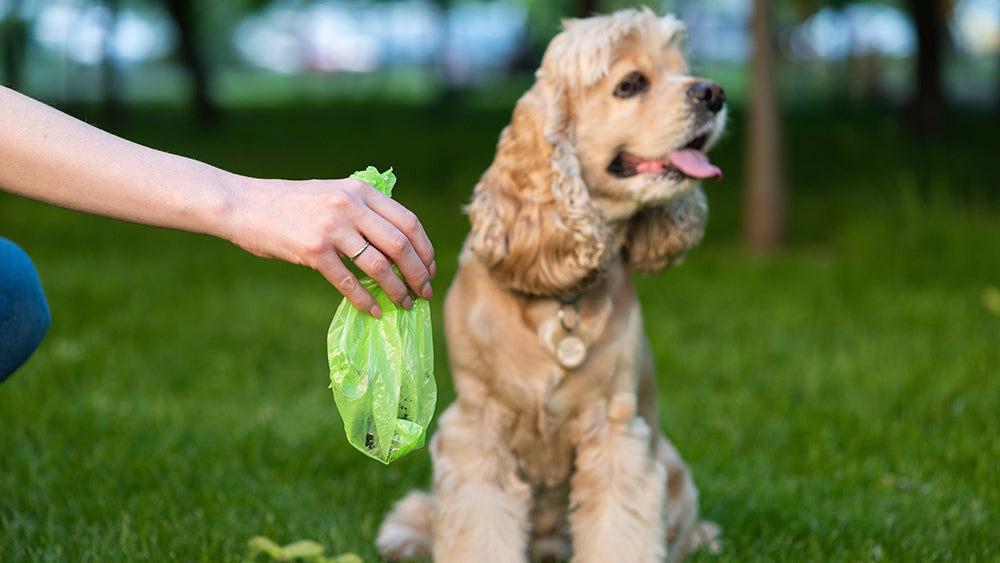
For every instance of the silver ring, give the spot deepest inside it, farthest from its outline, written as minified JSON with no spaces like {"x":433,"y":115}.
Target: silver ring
{"x":363,"y":248}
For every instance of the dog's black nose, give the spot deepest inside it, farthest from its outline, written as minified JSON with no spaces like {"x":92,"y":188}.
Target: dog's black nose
{"x":708,"y":95}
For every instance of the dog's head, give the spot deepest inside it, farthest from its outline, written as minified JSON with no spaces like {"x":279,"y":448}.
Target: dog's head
{"x":604,"y":154}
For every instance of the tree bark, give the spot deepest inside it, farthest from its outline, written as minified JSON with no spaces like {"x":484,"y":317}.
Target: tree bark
{"x":111,"y":79}
{"x":14,"y":31}
{"x":764,"y":209}
{"x":182,"y":12}
{"x":928,"y":97}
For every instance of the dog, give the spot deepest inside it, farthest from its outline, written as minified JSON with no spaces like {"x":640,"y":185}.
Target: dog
{"x":553,"y":448}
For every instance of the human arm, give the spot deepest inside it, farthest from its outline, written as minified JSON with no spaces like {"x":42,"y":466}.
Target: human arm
{"x":51,"y":157}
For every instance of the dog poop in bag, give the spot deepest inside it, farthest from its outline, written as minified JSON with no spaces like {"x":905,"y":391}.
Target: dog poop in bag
{"x":382,"y":370}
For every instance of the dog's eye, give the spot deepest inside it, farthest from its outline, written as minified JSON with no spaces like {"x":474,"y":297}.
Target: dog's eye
{"x":634,"y":83}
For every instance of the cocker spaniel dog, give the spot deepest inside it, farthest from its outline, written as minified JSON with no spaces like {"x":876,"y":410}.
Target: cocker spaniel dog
{"x":553,"y":449}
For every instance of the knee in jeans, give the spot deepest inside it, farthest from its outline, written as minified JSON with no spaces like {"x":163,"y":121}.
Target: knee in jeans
{"x":24,"y":313}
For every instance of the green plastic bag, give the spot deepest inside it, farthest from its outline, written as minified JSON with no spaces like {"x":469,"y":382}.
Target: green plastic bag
{"x":382,"y":370}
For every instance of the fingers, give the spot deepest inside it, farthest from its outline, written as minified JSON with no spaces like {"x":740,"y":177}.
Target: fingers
{"x":317,"y":223}
{"x":407,"y":223}
{"x":379,"y":268}
{"x":389,"y":246}
{"x":358,"y":222}
{"x":347,"y":284}
{"x":374,"y":263}
{"x":381,"y":233}
{"x":396,"y":238}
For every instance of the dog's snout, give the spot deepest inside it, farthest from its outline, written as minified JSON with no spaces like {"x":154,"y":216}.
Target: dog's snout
{"x":708,"y":95}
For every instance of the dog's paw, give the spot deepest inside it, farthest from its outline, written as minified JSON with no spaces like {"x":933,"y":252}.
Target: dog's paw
{"x":406,"y":532}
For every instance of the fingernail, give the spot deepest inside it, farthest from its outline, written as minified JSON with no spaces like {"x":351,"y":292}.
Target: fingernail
{"x":426,"y":292}
{"x":375,"y":311}
{"x":407,"y":303}
{"x":433,"y":269}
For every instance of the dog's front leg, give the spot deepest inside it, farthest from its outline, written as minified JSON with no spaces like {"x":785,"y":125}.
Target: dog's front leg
{"x":481,"y":506}
{"x":616,"y":501}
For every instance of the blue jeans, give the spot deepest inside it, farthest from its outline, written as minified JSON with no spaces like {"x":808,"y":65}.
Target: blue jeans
{"x":24,"y":313}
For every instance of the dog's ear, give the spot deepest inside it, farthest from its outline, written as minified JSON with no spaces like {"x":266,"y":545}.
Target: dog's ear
{"x":533,"y":224}
{"x":659,"y":237}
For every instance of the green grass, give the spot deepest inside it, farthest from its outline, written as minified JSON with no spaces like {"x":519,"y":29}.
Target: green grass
{"x":837,"y":401}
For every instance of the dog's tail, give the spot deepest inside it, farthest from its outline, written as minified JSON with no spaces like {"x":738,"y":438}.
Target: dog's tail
{"x":406,"y":531}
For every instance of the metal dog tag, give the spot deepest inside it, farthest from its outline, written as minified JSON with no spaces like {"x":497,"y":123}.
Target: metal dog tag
{"x":571,"y":352}
{"x":569,"y":343}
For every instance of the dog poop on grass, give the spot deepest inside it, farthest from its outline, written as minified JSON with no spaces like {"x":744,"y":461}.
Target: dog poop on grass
{"x":382,"y":370}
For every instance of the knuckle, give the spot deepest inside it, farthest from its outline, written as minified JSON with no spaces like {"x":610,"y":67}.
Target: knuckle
{"x":313,"y":245}
{"x":379,"y":266}
{"x":347,"y":283}
{"x":343,"y":201}
{"x":397,"y":244}
{"x":417,"y":281}
{"x":358,"y":185}
{"x":409,"y":223}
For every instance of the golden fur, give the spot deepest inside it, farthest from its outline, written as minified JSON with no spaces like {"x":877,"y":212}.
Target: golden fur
{"x":535,"y":459}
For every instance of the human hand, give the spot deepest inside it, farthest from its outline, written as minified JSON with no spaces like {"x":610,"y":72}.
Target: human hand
{"x":317,"y":223}
{"x":51,"y":157}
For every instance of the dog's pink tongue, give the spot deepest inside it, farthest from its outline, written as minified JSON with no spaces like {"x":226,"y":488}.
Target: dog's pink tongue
{"x":695,"y":163}
{"x":691,"y":162}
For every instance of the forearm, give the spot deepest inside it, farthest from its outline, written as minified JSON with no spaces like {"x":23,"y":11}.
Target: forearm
{"x":50,"y":157}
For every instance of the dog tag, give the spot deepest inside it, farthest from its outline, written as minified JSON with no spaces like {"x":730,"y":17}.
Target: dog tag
{"x":571,"y":352}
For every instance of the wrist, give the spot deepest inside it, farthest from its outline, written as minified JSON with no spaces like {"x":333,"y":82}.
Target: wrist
{"x":220,"y":212}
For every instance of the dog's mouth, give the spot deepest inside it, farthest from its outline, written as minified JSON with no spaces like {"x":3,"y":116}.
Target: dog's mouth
{"x":688,"y":161}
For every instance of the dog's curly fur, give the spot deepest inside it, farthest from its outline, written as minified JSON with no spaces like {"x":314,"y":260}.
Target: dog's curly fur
{"x":534,"y":459}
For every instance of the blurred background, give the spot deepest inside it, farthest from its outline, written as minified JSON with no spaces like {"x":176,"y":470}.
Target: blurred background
{"x":828,"y":356}
{"x":254,"y":51}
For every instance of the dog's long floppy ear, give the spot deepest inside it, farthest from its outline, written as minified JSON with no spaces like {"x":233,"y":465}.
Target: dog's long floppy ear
{"x":660,"y":237}
{"x":533,"y":224}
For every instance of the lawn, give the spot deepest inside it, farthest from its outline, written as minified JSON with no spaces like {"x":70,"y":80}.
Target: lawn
{"x":837,"y":400}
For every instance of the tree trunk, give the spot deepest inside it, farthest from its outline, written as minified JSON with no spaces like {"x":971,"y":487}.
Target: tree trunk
{"x":928,"y":97}
{"x":111,"y":79}
{"x":585,"y":8}
{"x":182,"y":12}
{"x":14,"y":32}
{"x":764,"y":209}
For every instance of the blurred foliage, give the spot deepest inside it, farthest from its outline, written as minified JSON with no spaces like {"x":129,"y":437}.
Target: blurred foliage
{"x":58,"y":80}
